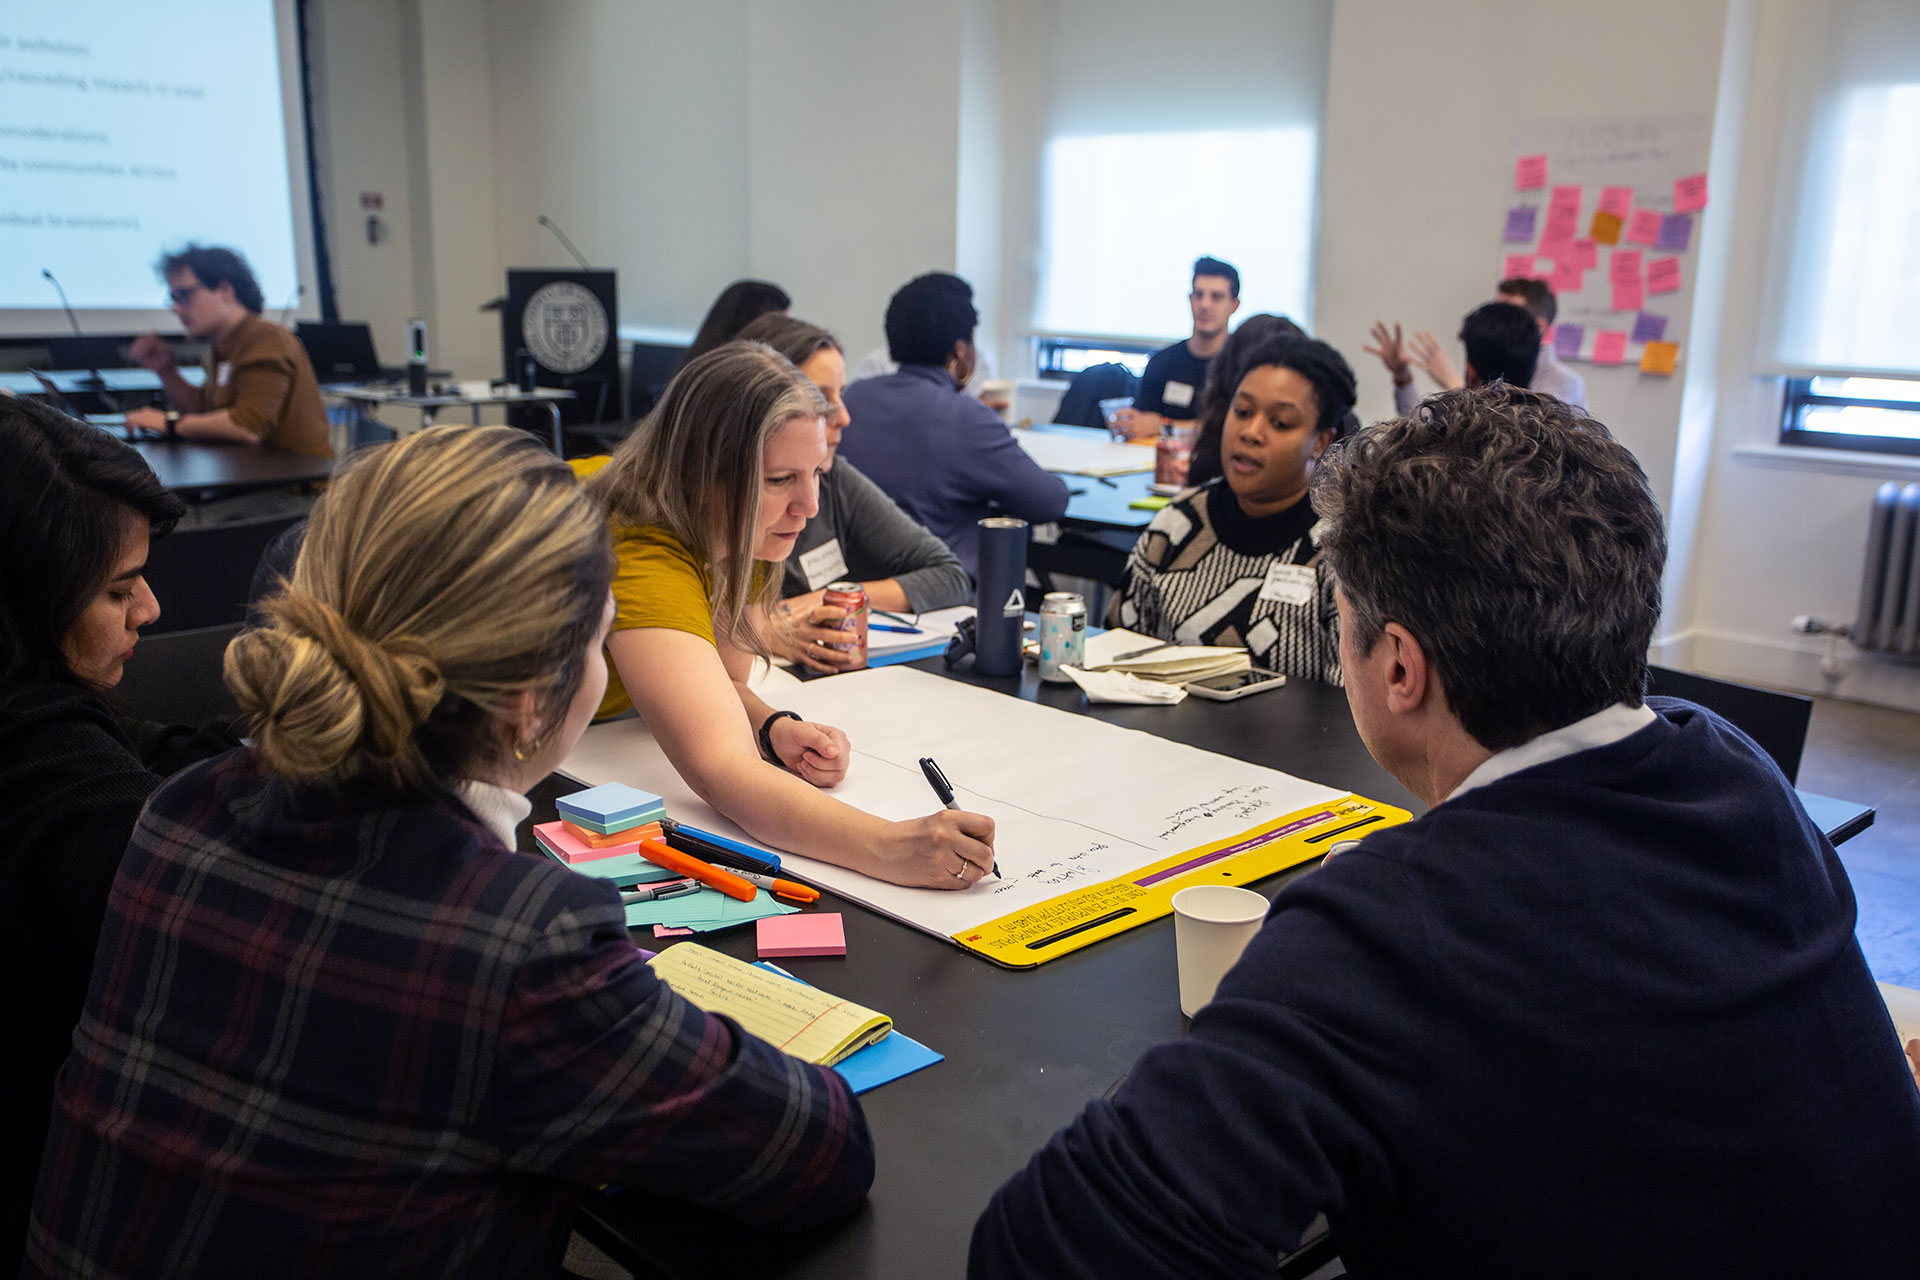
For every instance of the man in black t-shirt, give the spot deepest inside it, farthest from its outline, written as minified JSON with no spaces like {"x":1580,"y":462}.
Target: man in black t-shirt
{"x":1170,"y":388}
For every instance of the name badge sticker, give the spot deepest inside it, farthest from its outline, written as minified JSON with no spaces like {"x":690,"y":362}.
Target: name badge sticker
{"x":1288,"y":584}
{"x":1177,"y":394}
{"x":824,"y":564}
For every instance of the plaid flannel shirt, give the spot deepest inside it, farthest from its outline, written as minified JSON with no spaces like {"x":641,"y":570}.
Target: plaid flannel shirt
{"x":328,"y":1039}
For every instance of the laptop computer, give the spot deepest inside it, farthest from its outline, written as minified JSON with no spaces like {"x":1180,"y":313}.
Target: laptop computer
{"x":340,"y":352}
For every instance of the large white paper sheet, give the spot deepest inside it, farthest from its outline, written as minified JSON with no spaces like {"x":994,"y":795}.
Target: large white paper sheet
{"x":1075,"y":800}
{"x":1083,"y":452}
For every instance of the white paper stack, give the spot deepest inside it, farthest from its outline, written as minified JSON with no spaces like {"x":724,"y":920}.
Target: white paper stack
{"x":1153,"y":660}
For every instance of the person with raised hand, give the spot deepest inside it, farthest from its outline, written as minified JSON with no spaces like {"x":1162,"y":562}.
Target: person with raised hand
{"x":337,"y":1025}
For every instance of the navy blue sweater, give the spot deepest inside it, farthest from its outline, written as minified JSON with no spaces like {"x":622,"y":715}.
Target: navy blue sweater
{"x":1604,"y":1017}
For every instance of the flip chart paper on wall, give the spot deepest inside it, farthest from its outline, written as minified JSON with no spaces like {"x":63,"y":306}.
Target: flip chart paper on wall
{"x":1081,"y":858}
{"x":1530,"y":173}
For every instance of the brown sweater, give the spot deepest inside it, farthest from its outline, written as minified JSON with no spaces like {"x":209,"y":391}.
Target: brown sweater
{"x":259,"y":373}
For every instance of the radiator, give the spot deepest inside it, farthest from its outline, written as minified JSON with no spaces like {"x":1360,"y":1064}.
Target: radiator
{"x":1889,"y":616}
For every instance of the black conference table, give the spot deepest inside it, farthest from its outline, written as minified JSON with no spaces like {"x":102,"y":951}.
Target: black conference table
{"x":198,"y":470}
{"x":1025,"y":1050}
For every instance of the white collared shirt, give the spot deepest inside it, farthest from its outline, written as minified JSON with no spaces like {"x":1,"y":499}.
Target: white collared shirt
{"x":500,"y":809}
{"x":1601,"y":729}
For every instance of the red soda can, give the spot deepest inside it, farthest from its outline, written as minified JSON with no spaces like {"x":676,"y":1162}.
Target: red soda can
{"x":852,"y":597}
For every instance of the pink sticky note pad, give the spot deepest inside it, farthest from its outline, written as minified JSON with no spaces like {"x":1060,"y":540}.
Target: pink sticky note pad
{"x":1628,"y":295}
{"x":1616,"y":200}
{"x":1586,"y":254}
{"x":1566,"y":278}
{"x":1624,"y":266}
{"x":1530,"y":172}
{"x":1690,"y":193}
{"x":572,"y":848}
{"x":1565,"y":197}
{"x":806,"y":933}
{"x":1518,"y":266}
{"x":1643,"y":227}
{"x":1663,"y":275}
{"x":1610,"y":346}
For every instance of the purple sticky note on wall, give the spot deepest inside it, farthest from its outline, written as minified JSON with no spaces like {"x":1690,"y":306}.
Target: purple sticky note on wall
{"x":1519,"y":225}
{"x":1649,"y":327}
{"x":1676,"y":230}
{"x":1567,"y":338}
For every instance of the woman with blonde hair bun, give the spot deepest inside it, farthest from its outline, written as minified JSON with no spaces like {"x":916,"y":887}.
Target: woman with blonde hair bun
{"x":706,"y":499}
{"x":337,"y":1025}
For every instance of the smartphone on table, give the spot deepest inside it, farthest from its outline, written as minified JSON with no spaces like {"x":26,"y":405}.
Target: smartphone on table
{"x":1236,"y":684}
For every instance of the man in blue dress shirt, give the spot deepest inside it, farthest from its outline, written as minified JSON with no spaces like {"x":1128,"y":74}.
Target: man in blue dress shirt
{"x":946,"y":458}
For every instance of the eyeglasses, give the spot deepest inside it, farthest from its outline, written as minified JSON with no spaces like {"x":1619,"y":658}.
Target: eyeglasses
{"x":182,"y":296}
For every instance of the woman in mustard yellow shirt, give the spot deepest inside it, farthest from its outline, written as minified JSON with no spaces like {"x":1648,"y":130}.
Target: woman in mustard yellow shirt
{"x":706,"y":498}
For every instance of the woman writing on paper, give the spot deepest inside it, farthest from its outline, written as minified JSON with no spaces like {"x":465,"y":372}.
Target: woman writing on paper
{"x":706,"y":498}
{"x":859,"y":534}
{"x":338,"y":1025}
{"x":1234,"y":562}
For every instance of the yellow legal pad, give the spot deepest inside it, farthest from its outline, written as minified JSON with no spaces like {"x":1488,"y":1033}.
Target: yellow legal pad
{"x":804,"y":1021}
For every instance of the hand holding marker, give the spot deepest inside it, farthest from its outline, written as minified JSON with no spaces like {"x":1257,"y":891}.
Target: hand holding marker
{"x":944,"y":791}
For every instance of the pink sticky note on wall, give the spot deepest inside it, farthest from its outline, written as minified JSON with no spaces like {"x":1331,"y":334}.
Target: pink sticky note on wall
{"x":1663,"y":275}
{"x":1566,"y":278}
{"x":1690,"y":193}
{"x":1628,"y":295}
{"x":1616,"y":200}
{"x":1586,"y":254}
{"x":1643,"y":227}
{"x":1530,"y":172}
{"x":1518,"y":266}
{"x":1624,"y":267}
{"x":1565,"y":197}
{"x":1610,"y":346}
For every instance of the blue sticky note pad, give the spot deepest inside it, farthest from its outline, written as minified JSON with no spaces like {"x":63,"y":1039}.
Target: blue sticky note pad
{"x":933,"y":650}
{"x":611,"y":803}
{"x":889,"y":1059}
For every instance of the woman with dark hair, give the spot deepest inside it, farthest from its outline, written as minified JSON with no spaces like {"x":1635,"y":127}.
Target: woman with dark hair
{"x":1234,"y":561}
{"x":1223,"y":375}
{"x":77,"y":508}
{"x":739,"y":305}
{"x":859,"y":534}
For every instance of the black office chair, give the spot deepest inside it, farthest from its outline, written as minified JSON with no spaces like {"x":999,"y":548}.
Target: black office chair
{"x":174,"y":678}
{"x":1080,"y":405}
{"x":202,"y":577}
{"x":1776,"y":721}
{"x":650,"y":366}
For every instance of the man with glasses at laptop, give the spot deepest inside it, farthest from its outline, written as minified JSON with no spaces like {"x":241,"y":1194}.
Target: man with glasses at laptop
{"x":260,"y":387}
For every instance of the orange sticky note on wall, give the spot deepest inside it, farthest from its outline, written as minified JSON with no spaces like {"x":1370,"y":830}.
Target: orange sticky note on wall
{"x":1658,"y":357}
{"x":1606,"y":227}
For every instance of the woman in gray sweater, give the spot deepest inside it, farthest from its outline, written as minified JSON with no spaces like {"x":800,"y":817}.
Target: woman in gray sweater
{"x":859,"y":535}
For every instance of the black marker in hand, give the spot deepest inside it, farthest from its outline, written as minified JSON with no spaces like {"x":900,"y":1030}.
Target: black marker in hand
{"x":944,"y":791}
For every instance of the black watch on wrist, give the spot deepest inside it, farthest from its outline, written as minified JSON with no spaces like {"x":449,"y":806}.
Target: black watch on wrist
{"x":173,"y":424}
{"x":766,"y":735}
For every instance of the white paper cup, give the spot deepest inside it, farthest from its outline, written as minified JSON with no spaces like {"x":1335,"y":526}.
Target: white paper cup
{"x":1212,"y":925}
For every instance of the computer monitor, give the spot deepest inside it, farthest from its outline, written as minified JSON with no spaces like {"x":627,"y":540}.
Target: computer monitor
{"x":86,"y":353}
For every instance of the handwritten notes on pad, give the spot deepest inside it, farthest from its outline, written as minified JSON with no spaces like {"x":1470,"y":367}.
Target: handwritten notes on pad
{"x":1063,"y":828}
{"x":801,"y":1020}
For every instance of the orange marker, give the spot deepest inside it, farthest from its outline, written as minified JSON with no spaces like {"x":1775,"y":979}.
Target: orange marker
{"x":655,"y":850}
{"x":791,"y":890}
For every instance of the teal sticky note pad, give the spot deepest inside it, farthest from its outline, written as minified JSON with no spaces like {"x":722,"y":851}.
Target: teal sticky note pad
{"x":629,"y":868}
{"x":704,"y":911}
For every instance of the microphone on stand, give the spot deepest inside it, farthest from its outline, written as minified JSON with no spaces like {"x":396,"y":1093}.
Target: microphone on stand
{"x":561,"y":236}
{"x":293,"y":302}
{"x":93,"y":381}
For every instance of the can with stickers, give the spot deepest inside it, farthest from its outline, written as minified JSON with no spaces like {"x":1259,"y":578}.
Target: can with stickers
{"x":1063,"y":634}
{"x":852,"y":597}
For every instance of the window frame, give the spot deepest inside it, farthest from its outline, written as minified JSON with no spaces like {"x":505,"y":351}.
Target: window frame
{"x":1800,"y":396}
{"x":1048,"y":348}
